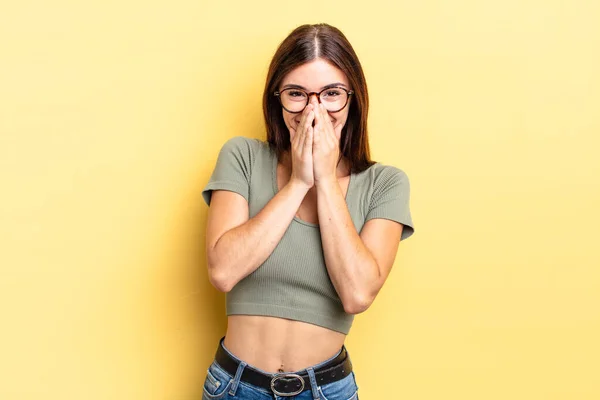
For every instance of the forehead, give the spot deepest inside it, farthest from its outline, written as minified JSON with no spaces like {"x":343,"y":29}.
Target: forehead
{"x":314,"y":75}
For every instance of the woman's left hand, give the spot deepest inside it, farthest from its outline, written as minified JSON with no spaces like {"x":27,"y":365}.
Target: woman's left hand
{"x":326,"y":146}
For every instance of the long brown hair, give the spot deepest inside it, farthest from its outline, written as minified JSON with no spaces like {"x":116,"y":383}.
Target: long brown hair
{"x":307,"y":43}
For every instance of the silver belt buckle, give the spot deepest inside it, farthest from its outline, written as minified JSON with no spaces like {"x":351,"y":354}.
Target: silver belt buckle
{"x":287,"y":376}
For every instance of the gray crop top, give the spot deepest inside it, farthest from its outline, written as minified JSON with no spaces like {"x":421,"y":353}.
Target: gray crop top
{"x":293,"y":282}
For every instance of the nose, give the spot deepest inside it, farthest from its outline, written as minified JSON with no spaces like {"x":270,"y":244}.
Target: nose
{"x":315,"y":96}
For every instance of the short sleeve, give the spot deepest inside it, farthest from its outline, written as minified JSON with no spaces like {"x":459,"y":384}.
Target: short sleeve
{"x":233,"y":169}
{"x":390,"y":199}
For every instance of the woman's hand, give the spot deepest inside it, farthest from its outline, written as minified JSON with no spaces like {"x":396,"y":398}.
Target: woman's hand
{"x":301,"y":140}
{"x":326,"y":146}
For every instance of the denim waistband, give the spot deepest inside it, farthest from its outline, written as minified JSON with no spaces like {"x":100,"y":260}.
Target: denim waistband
{"x":308,"y":371}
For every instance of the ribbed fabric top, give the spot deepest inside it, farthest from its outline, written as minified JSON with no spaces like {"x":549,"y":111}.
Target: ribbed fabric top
{"x":293,"y":282}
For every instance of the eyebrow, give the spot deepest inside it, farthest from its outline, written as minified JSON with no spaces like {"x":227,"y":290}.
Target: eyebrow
{"x":293,"y":86}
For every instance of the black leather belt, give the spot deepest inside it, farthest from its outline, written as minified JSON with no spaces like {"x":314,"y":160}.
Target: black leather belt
{"x":287,"y":384}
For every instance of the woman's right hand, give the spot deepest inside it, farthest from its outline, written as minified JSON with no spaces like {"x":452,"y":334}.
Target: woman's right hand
{"x":301,"y":140}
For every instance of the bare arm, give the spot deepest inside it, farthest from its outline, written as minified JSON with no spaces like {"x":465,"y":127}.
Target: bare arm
{"x":358,"y":265}
{"x":237,"y":245}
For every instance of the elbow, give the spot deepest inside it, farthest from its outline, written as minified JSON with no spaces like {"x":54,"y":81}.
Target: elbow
{"x":220,"y":281}
{"x":358,"y":304}
{"x":218,"y":277}
{"x":220,"y":284}
{"x":359,"y":299}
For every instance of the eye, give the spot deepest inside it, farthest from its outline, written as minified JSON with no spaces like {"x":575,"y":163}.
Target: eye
{"x":333,"y":93}
{"x":296,"y":93}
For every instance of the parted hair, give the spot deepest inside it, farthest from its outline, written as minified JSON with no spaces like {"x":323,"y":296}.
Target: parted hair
{"x":304,"y":44}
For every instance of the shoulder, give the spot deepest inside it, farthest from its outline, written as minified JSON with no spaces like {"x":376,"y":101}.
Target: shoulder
{"x":243,"y":144}
{"x":244,"y":149}
{"x":387,"y":196}
{"x":385,"y":172}
{"x":380,"y":176}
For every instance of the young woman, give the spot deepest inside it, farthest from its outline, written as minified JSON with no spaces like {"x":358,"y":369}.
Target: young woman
{"x":303,"y":229}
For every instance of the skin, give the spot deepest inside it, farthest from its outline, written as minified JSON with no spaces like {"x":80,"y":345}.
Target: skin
{"x":312,"y":186}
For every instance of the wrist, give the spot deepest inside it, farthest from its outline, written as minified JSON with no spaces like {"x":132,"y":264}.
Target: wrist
{"x":327,"y":184}
{"x":299,"y":186}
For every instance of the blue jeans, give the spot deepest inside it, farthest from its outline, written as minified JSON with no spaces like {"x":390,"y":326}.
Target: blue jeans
{"x":221,"y":385}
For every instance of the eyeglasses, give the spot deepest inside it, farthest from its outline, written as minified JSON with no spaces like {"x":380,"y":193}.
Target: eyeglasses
{"x":295,"y":100}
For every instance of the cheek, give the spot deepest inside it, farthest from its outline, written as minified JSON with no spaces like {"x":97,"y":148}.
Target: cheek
{"x":339,"y":120}
{"x":290,"y":120}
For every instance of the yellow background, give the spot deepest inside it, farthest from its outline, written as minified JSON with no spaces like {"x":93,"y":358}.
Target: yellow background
{"x":111,"y":117}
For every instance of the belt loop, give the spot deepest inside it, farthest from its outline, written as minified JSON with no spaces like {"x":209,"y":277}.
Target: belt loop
{"x":238,"y":377}
{"x":313,"y":383}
